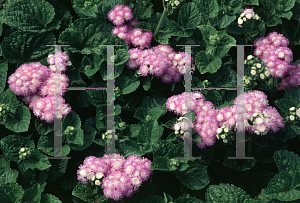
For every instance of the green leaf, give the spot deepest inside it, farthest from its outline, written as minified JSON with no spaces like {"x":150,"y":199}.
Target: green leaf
{"x":189,"y":16}
{"x":163,"y":34}
{"x":76,"y":137}
{"x":46,"y":144}
{"x":196,"y":137}
{"x":8,"y":175}
{"x":91,"y":64}
{"x":20,"y":121}
{"x":161,"y":164}
{"x":31,"y":15}
{"x":127,"y":84}
{"x":85,"y":193}
{"x":4,"y":162}
{"x":97,"y":97}
{"x":9,"y":98}
{"x":188,"y":200}
{"x":133,"y":130}
{"x":153,"y":198}
{"x":89,"y":136}
{"x":11,"y":192}
{"x":72,"y":119}
{"x":12,"y":144}
{"x":195,"y":177}
{"x":121,"y":57}
{"x":225,"y":20}
{"x":118,"y":70}
{"x":33,"y":194}
{"x":207,"y":65}
{"x":155,"y":101}
{"x":224,"y":77}
{"x":23,"y":46}
{"x":238,"y":164}
{"x":177,"y":30}
{"x":284,"y":186}
{"x":286,"y":161}
{"x":86,"y":8}
{"x":226,"y":193}
{"x":3,"y":74}
{"x":161,"y":148}
{"x":43,"y":127}
{"x":182,"y":167}
{"x":48,"y":198}
{"x":130,"y":147}
{"x":143,"y":9}
{"x":146,"y":82}
{"x":37,"y":160}
{"x":176,"y":151}
{"x":71,"y":35}
{"x":58,"y":168}
{"x":86,"y":34}
{"x":207,"y":9}
{"x":149,"y":132}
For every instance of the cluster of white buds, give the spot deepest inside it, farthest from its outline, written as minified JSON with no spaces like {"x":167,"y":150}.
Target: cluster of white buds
{"x":294,"y":115}
{"x":257,"y":119}
{"x":24,"y":151}
{"x":247,"y":14}
{"x":183,"y":125}
{"x":223,"y":133}
{"x":97,"y":178}
{"x":108,"y":135}
{"x":174,"y":3}
{"x":4,"y":111}
{"x":255,"y":71}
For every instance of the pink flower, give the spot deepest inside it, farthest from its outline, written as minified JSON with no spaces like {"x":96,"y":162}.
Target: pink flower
{"x":28,"y":78}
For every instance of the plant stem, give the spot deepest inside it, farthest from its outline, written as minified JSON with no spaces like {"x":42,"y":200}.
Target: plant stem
{"x":161,"y":18}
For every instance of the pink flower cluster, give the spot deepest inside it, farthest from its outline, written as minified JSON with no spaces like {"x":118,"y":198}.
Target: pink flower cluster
{"x":292,"y":79}
{"x":37,"y":84}
{"x":117,"y":176}
{"x":161,"y":61}
{"x":255,"y":102}
{"x":274,"y":51}
{"x":208,"y":119}
{"x":137,"y":37}
{"x":205,"y":123}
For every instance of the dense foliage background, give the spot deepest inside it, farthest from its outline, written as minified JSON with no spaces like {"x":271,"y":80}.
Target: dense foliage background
{"x":27,"y":26}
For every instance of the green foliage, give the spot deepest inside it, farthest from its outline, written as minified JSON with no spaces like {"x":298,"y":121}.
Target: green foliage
{"x":21,"y":46}
{"x":226,"y":193}
{"x":33,"y":15}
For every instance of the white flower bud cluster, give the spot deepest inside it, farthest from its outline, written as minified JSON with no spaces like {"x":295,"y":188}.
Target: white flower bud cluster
{"x":258,"y":119}
{"x":223,"y":133}
{"x":255,"y":71}
{"x":247,"y":14}
{"x":24,"y":151}
{"x":183,"y":125}
{"x":294,"y":115}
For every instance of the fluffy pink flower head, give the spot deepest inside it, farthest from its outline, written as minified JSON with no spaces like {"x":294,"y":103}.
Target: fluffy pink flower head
{"x":248,"y":13}
{"x":28,"y":78}
{"x":63,"y":60}
{"x":54,"y":80}
{"x":122,"y":177}
{"x":119,"y":14}
{"x":44,"y":109}
{"x":251,"y":102}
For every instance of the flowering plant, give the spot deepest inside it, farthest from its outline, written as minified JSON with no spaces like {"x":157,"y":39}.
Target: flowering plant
{"x":139,"y":101}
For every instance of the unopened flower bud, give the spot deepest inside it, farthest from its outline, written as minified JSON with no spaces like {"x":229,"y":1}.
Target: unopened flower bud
{"x":262,"y":76}
{"x":249,"y":57}
{"x":292,"y":117}
{"x":97,"y":182}
{"x":225,"y":140}
{"x":226,"y":130}
{"x":22,"y":149}
{"x":223,"y":136}
{"x":292,"y":108}
{"x":219,"y":130}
